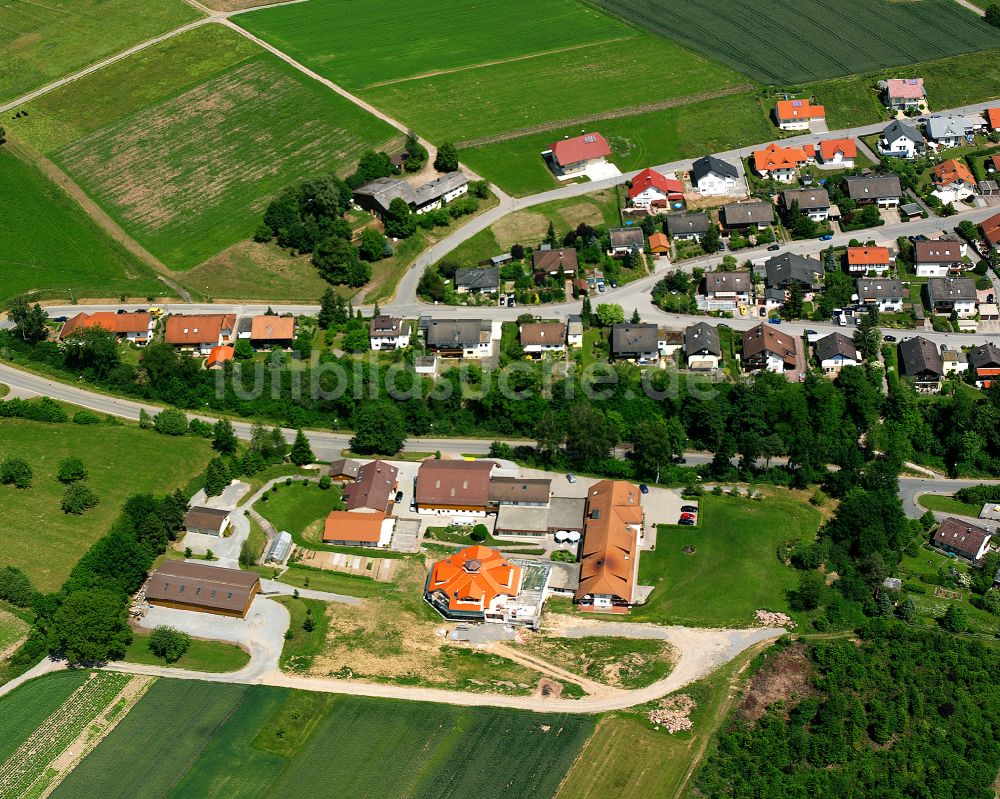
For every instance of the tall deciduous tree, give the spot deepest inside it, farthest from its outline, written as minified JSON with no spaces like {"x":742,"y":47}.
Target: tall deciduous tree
{"x":447,"y":158}
{"x":379,"y":429}
{"x":224,"y":437}
{"x":29,"y":320}
{"x":91,"y":626}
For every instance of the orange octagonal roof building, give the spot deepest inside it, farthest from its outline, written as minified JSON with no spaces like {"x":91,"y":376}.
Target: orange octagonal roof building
{"x":476,"y":583}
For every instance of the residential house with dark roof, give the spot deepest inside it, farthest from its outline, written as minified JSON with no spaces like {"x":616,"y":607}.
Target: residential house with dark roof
{"x":654,"y":192}
{"x":744,"y":216}
{"x":373,"y":489}
{"x":573,"y":155}
{"x":985,"y":363}
{"x":920,"y":361}
{"x":882,"y":293}
{"x":726,"y":291}
{"x":542,"y":338}
{"x":639,"y":343}
{"x":781,"y":271}
{"x":938,"y":258}
{"x":388,"y":333}
{"x":701,"y":347}
{"x":953,"y":295}
{"x":477,"y":280}
{"x":900,"y":139}
{"x":836,"y":351}
{"x":625,"y":240}
{"x":687,"y":227}
{"x":460,"y":338}
{"x":527,"y":492}
{"x":344,"y":470}
{"x":185,"y":585}
{"x":713,"y":177}
{"x":767,"y":349}
{"x":814,"y":203}
{"x":881,"y":190}
{"x":453,"y":488}
{"x":609,"y":552}
{"x":961,"y":538}
{"x":863,"y":260}
{"x":554,"y":261}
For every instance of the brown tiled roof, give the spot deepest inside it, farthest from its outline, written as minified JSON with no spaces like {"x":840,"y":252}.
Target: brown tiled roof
{"x":454,"y":482}
{"x":555,"y":260}
{"x":517,"y":489}
{"x":344,"y":467}
{"x":991,"y":229}
{"x":361,"y":528}
{"x":375,"y":482}
{"x":272,"y":328}
{"x":765,"y":338}
{"x":610,"y":540}
{"x":942,"y":251}
{"x":384,"y":327}
{"x":542,"y":333}
{"x":117,"y":323}
{"x":965,"y":538}
{"x":197,"y":328}
{"x":210,"y":587}
{"x":205,"y":518}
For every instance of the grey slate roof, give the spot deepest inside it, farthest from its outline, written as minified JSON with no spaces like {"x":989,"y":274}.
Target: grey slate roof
{"x":702,"y":337}
{"x":879,"y":288}
{"x":383,"y":191}
{"x":437,"y":188}
{"x":708,"y":164}
{"x":808,"y":199}
{"x":457,"y":333}
{"x":728,"y":281}
{"x":899,"y":128}
{"x":627,"y":237}
{"x":787,"y":268}
{"x":946,"y":126}
{"x":680,"y":224}
{"x":951,"y":289}
{"x":478,"y":278}
{"x":985,"y":355}
{"x":631,"y":339}
{"x":835,"y":344}
{"x":918,"y":355}
{"x":872,"y":187}
{"x":759,"y":213}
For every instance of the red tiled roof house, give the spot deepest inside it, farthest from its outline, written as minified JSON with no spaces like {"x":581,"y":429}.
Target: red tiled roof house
{"x":571,"y":156}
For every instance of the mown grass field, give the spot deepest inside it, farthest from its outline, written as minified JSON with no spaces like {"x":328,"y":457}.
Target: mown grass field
{"x":41,"y":42}
{"x":295,"y":507}
{"x":807,"y":41}
{"x":949,"y":505}
{"x":51,"y":247}
{"x":201,"y":655}
{"x":405,"y":40}
{"x":185,"y":143}
{"x":208,"y":740}
{"x":36,"y":535}
{"x":734,"y":570}
{"x":514,"y":95}
{"x":658,"y":137}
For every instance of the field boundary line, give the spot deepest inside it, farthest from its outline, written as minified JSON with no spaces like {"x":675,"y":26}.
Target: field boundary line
{"x":101,"y":218}
{"x":435,"y":73}
{"x":34,"y":95}
{"x":86,"y":742}
{"x":616,"y":113}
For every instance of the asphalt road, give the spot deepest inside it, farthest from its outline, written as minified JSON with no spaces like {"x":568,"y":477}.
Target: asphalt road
{"x":911,"y":488}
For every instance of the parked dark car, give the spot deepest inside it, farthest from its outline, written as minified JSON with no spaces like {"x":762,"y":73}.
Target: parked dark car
{"x":121,"y":311}
{"x":644,"y":488}
{"x":888,"y":338}
{"x":773,"y":248}
{"x":399,"y":496}
{"x":689,"y":508}
{"x":686,"y":522}
{"x":59,"y":318}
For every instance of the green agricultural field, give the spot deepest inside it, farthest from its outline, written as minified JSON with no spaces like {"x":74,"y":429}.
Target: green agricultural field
{"x":811,"y":40}
{"x":36,"y":535}
{"x":51,"y":247}
{"x":515,"y":95}
{"x":658,"y":137}
{"x":12,"y":628}
{"x":41,"y":42}
{"x":184,"y":144}
{"x":405,"y":40}
{"x":24,"y":709}
{"x":209,"y":740}
{"x":734,"y":570}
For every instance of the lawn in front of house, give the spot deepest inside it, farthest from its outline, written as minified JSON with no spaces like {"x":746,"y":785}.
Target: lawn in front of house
{"x":214,"y":656}
{"x":734,"y":569}
{"x":948,"y":505}
{"x":297,"y":506}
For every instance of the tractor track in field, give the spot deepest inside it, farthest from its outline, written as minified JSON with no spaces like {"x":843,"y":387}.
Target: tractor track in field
{"x":616,"y":113}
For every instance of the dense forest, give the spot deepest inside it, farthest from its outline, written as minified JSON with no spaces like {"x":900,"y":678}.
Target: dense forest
{"x":903,"y":712}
